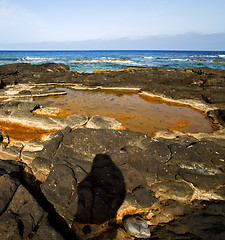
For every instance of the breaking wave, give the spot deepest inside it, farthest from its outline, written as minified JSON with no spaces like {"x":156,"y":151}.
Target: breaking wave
{"x":37,"y":59}
{"x":150,"y":57}
{"x":103,"y":60}
{"x":208,"y":56}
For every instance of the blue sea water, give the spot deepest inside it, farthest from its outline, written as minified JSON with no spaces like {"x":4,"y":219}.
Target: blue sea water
{"x":109,"y":59}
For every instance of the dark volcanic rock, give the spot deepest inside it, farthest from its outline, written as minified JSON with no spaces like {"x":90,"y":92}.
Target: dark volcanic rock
{"x":20,"y":213}
{"x":47,"y":231}
{"x":203,"y":84}
{"x":95,"y":200}
{"x":24,"y":213}
{"x":27,"y":211}
{"x":85,"y":181}
{"x":204,"y":220}
{"x":76,"y":187}
{"x":95,"y":177}
{"x":22,"y":72}
{"x":8,"y":187}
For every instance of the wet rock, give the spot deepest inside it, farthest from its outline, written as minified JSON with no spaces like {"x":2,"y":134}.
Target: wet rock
{"x":136,"y":227}
{"x":103,"y":123}
{"x":5,"y":140}
{"x":26,"y":72}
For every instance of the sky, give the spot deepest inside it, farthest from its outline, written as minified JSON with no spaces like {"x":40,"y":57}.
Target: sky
{"x":90,"y":24}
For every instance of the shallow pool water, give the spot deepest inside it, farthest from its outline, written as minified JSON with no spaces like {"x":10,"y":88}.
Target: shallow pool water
{"x":136,"y":112}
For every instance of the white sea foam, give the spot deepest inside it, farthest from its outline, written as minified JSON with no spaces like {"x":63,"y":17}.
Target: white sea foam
{"x":38,"y":59}
{"x":206,"y":56}
{"x":104,"y":60}
{"x":150,"y":57}
{"x":221,"y":56}
{"x":178,"y":59}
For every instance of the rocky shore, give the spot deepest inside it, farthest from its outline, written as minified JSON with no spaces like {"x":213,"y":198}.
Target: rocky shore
{"x":90,"y":179}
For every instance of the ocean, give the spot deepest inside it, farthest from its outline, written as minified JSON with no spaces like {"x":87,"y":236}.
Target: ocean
{"x":115,"y":59}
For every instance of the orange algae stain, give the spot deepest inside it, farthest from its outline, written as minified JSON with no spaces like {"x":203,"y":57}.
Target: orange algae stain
{"x":126,"y":116}
{"x":20,"y":132}
{"x":176,"y":125}
{"x":101,"y":70}
{"x":113,"y":92}
{"x":123,"y":69}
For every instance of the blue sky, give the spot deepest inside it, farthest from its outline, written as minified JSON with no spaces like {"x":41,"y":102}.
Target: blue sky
{"x":43,"y":21}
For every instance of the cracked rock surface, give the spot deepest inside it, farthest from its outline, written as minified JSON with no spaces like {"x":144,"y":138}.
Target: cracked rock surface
{"x":83,"y":183}
{"x":89,"y":178}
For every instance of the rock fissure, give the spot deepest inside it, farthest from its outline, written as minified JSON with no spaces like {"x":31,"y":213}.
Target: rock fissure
{"x":170,"y":156}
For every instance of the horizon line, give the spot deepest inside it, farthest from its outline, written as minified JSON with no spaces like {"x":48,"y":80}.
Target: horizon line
{"x":64,"y":50}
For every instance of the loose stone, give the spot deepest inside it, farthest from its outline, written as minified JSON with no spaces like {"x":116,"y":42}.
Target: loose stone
{"x":136,"y":227}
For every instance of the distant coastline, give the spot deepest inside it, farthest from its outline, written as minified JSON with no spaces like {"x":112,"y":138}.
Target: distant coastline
{"x":189,"y":42}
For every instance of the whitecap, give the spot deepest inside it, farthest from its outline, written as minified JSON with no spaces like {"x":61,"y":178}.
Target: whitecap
{"x":38,"y":59}
{"x":104,"y":60}
{"x":178,"y":59}
{"x":150,"y":57}
{"x":205,"y":56}
{"x":221,"y":56}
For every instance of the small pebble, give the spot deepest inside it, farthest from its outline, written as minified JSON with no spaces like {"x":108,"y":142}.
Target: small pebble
{"x":137,"y":227}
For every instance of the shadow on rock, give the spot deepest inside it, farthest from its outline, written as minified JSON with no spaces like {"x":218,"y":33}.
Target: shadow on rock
{"x":100,"y":195}
{"x":86,"y":196}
